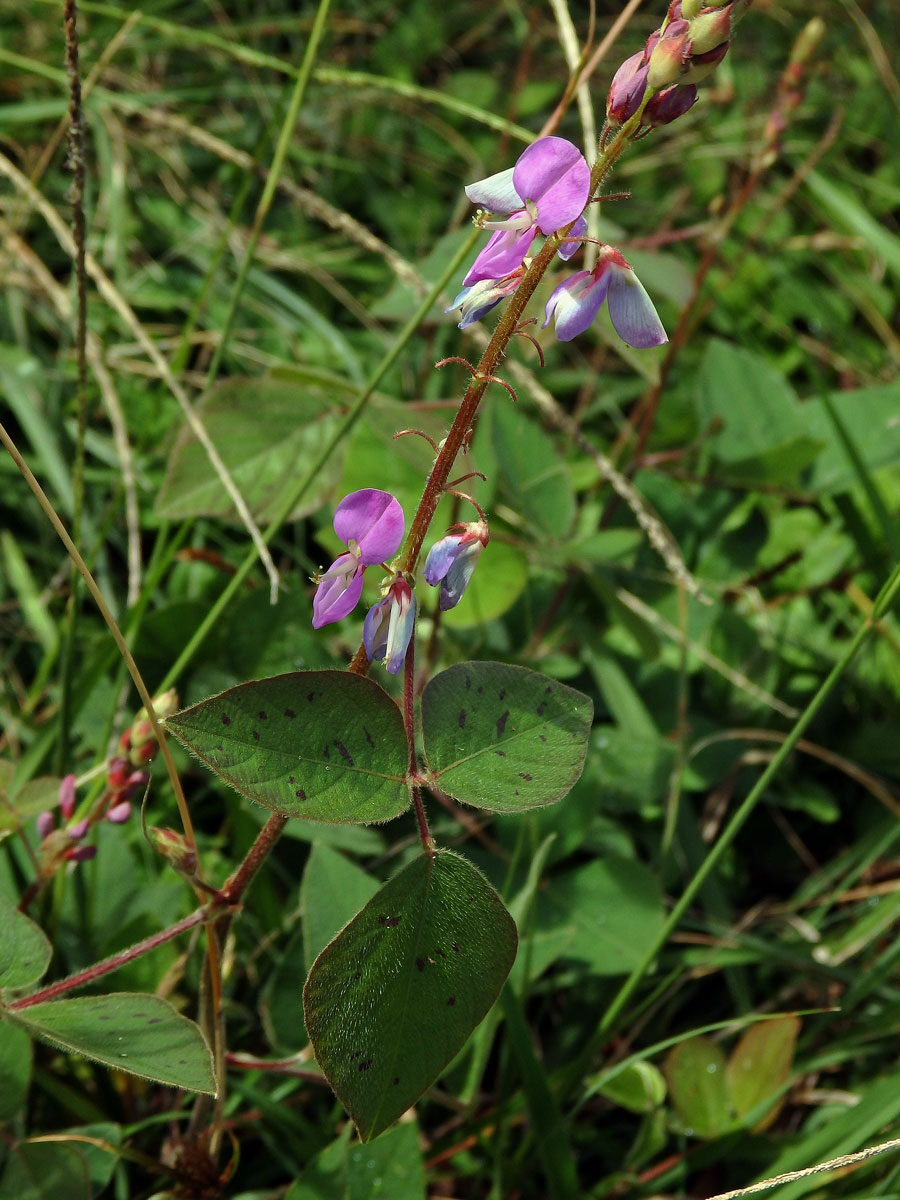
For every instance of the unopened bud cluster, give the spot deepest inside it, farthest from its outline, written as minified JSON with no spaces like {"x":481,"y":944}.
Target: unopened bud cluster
{"x":689,"y":45}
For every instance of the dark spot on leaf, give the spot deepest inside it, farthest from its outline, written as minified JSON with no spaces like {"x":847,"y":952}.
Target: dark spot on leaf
{"x":461,"y":719}
{"x":468,"y":682}
{"x":501,"y":723}
{"x":219,"y":748}
{"x":501,"y":693}
{"x":364,"y":1066}
{"x":300,"y":794}
{"x":355,"y":1054}
{"x":255,"y":736}
{"x":368,"y":736}
{"x":540,"y":710}
{"x":451,"y":1001}
{"x":290,"y":779}
{"x":263,"y":716}
{"x":226,"y":720}
{"x":290,"y":714}
{"x":522,"y":775}
{"x":480,"y":691}
{"x":326,"y":753}
{"x":356,"y":975}
{"x":396,"y":1079}
{"x":344,"y":752}
{"x":420,"y":965}
{"x":104,"y":1017}
{"x":310,"y":696}
{"x":393,"y":922}
{"x":517,"y":791}
{"x":441,"y":953}
{"x":455,"y":946}
{"x":500,"y":753}
{"x":182,"y":1062}
{"x":541,"y":736}
{"x":547,"y":691}
{"x":154,"y":1020}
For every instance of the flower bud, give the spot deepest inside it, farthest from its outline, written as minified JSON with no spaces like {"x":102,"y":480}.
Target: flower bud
{"x":80,"y":853}
{"x":668,"y":105}
{"x":710,"y":30}
{"x":67,"y":796}
{"x":691,"y":8}
{"x":77,"y":831}
{"x":119,"y":813}
{"x":46,"y":823}
{"x":175,"y":849}
{"x":669,"y":56}
{"x":627,"y":89}
{"x":702,"y":65}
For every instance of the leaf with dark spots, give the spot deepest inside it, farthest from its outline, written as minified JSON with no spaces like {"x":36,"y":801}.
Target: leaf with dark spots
{"x":528,"y":755}
{"x":356,"y":779}
{"x":400,"y":1009}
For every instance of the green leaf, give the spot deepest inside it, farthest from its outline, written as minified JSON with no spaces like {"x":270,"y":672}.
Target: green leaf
{"x":394,"y":997}
{"x":763,"y":434}
{"x":640,"y":1087}
{"x":333,"y":891}
{"x":391,"y":1169}
{"x":760,"y":1066}
{"x":274,"y":740}
{"x":533,"y":472}
{"x":143,"y":1035}
{"x":502,"y":737}
{"x":698,"y":1087}
{"x":15,"y":1069}
{"x":265,"y":431}
{"x":614,"y":908}
{"x":45,"y":1171}
{"x":32,"y":798}
{"x":24,"y":950}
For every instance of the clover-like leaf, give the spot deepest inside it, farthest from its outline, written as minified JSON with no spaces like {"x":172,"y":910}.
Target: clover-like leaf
{"x":24,"y":949}
{"x":143,"y":1035}
{"x":503,"y":737}
{"x":394,"y":997}
{"x":322,"y":745}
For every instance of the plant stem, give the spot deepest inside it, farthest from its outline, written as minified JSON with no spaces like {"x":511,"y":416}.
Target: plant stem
{"x":409,"y":690}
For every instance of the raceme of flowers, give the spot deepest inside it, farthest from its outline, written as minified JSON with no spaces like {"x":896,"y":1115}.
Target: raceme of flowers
{"x":547,"y":192}
{"x":370,"y":524}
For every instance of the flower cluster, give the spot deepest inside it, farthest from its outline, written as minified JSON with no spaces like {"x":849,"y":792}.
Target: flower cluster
{"x":370,"y":524}
{"x":689,"y":45}
{"x":547,"y":192}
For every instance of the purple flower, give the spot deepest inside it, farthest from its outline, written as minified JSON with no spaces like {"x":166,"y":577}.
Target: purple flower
{"x":370,"y":524}
{"x":627,"y":89}
{"x":575,"y":302}
{"x":67,"y":796}
{"x":389,"y":625}
{"x":119,"y":813}
{"x":546,"y":190}
{"x":452,"y":560}
{"x":478,"y":299}
{"x":46,"y":823}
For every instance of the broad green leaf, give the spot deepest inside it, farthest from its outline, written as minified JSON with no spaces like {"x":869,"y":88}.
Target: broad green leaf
{"x":333,"y":891}
{"x":143,"y":1035}
{"x":394,"y":997}
{"x":614,"y":908}
{"x":534,"y":472}
{"x":45,"y":1171}
{"x":763,"y":433}
{"x":323,"y":745}
{"x":870,"y":418}
{"x":15,"y":1069}
{"x":502,"y":737}
{"x":266,"y":432}
{"x":760,"y":1066}
{"x":698,"y":1087}
{"x":24,"y":949}
{"x":389,"y":1169}
{"x":35,"y":796}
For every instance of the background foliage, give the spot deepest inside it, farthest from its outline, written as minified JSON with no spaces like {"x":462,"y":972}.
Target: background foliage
{"x":771,"y":457}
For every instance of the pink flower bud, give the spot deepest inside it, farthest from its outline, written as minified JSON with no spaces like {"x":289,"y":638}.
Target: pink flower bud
{"x":710,"y":30}
{"x":173,"y":847}
{"x":119,"y":813}
{"x":669,"y":57}
{"x":117,"y":773}
{"x":46,"y":823}
{"x":80,"y":853}
{"x":67,"y":796}
{"x":627,"y":89}
{"x":670,"y":104}
{"x":77,"y":831}
{"x":702,"y":65}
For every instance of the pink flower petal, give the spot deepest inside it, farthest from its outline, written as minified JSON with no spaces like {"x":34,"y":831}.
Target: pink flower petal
{"x":553,"y":174}
{"x":338,"y":592}
{"x":371,"y":520}
{"x":632,"y":312}
{"x":503,"y":253}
